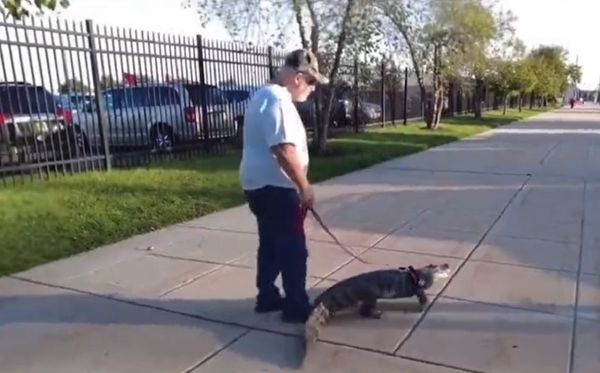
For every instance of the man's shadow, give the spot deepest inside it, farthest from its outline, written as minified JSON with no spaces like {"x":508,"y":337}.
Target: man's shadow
{"x":228,"y":322}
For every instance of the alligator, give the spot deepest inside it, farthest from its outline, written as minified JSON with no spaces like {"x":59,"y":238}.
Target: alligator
{"x":366,"y":288}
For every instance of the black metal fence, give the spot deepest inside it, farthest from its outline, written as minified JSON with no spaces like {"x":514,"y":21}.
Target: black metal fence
{"x":77,"y":97}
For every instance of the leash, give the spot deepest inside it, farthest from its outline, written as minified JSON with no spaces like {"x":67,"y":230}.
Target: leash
{"x":326,"y":229}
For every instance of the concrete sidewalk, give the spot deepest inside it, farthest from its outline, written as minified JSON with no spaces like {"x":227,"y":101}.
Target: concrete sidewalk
{"x":515,"y":212}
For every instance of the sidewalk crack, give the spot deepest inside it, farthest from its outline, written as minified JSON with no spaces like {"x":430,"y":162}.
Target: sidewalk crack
{"x":403,"y":341}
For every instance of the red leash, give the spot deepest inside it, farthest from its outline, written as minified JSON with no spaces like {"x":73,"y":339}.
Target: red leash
{"x":326,"y":229}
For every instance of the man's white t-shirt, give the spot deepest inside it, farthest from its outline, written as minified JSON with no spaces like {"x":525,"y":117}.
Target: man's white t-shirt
{"x":270,"y":119}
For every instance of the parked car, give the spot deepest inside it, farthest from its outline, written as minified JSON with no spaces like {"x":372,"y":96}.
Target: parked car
{"x":221,"y":111}
{"x":239,"y":97}
{"x":342,"y":111}
{"x":160,"y":116}
{"x":33,"y":128}
{"x":76,"y":102}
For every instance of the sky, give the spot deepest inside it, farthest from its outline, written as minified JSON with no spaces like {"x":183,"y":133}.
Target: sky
{"x":570,"y":23}
{"x":168,"y":16}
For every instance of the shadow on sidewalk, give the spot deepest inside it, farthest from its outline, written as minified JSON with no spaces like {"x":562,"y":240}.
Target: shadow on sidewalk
{"x":69,"y":308}
{"x":222,"y":321}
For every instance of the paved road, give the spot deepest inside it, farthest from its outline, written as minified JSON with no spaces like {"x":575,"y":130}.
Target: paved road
{"x":512,"y":211}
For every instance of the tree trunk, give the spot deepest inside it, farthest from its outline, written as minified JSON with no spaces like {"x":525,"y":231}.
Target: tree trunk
{"x":318,"y":128}
{"x":504,"y":108}
{"x":426,"y":110}
{"x":451,"y":99}
{"x":433,"y":107}
{"x":439,"y":106}
{"x":314,"y":31}
{"x":477,"y":97}
{"x":392,"y":99}
{"x":326,"y":109}
{"x":531,"y":99}
{"x":426,"y":113}
{"x":299,"y":20}
{"x":520,"y":103}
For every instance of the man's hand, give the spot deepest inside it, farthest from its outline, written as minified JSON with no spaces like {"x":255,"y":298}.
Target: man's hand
{"x":290,"y":162}
{"x":307,"y":197}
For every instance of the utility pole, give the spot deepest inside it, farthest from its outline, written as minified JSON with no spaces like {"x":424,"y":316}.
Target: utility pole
{"x":575,"y":84}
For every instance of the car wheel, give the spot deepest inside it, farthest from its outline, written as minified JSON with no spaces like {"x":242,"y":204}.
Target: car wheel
{"x":71,"y":142}
{"x":81,"y":142}
{"x":161,"y":136}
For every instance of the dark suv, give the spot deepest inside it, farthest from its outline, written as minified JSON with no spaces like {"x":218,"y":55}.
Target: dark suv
{"x":342,"y":111}
{"x":33,"y":128}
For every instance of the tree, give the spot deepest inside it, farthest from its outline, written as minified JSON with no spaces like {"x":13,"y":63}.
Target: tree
{"x":461,"y":32}
{"x":495,"y":45}
{"x":19,"y":8}
{"x":574,"y":72}
{"x":387,"y":71}
{"x":409,"y":18}
{"x":525,"y":80}
{"x":393,"y":79}
{"x":73,"y":86}
{"x":550,"y":68}
{"x":445,"y":40}
{"x":107,"y":82}
{"x":504,"y":80}
{"x":332,"y":30}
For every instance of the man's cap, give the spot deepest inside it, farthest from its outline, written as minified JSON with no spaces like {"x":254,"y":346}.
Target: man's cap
{"x":304,"y":60}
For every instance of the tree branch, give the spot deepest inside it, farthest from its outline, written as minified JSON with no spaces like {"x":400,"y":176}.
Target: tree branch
{"x":301,"y":29}
{"x":314,"y":32}
{"x":341,"y":40}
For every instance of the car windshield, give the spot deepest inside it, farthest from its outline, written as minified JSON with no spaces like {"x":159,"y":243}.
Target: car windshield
{"x":26,"y":100}
{"x":214,"y":96}
{"x":122,"y":98}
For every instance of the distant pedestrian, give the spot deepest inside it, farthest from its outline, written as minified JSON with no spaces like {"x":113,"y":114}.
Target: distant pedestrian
{"x":273,"y":174}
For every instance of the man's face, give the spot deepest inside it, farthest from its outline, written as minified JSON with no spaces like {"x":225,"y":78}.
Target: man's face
{"x":303,"y":85}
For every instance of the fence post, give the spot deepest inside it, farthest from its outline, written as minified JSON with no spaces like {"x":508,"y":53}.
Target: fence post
{"x":405,"y":98}
{"x":202,"y":90}
{"x":355,"y":98}
{"x":383,"y":94}
{"x":270,"y":54}
{"x":98,"y":93}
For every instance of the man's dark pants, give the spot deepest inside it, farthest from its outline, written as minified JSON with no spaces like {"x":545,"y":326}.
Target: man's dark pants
{"x":282,"y":249}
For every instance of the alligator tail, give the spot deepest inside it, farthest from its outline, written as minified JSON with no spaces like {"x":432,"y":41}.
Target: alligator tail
{"x":318,"y":317}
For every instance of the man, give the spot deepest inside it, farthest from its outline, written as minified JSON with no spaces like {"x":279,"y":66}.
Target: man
{"x":273,"y":174}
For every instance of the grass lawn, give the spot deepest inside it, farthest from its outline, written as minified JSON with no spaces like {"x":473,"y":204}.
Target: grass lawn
{"x":45,"y":221}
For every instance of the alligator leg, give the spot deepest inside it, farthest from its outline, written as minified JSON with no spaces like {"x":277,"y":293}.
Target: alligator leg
{"x":369,"y":309}
{"x":422,"y":297}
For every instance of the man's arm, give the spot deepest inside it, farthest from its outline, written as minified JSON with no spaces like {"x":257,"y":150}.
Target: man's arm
{"x":276,"y":134}
{"x":289,"y":160}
